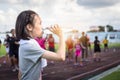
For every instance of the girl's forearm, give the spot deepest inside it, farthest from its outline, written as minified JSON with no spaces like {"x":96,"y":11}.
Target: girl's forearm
{"x":61,"y":49}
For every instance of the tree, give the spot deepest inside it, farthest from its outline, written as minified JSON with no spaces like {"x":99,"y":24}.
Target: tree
{"x":101,"y":28}
{"x":109,"y":28}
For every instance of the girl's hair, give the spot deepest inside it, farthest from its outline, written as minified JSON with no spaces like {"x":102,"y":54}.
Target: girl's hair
{"x":23,"y":19}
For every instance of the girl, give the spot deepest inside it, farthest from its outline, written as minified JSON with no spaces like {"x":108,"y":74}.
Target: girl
{"x":78,"y":52}
{"x":28,"y":27}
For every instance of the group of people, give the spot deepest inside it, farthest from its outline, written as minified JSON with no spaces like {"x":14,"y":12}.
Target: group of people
{"x":77,"y":48}
{"x":80,"y":49}
{"x":27,"y":46}
{"x":12,"y":45}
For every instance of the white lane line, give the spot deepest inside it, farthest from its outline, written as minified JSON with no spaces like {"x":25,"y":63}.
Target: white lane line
{"x":92,"y":71}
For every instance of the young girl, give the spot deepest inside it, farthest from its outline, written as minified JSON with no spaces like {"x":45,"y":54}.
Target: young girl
{"x":28,"y":27}
{"x":78,"y":52}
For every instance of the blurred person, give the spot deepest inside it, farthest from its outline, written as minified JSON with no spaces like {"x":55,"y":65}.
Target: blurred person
{"x":105,"y":42}
{"x":78,"y":51}
{"x":97,"y":50}
{"x":41,"y":41}
{"x":6,"y":44}
{"x":51,"y":44}
{"x":89,"y":46}
{"x":13,"y":50}
{"x":84,"y":41}
{"x":69,"y":47}
{"x":28,"y":27}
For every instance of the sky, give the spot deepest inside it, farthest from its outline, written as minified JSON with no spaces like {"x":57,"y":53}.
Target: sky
{"x":69,"y":14}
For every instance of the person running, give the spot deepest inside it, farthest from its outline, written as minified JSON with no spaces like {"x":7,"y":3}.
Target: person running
{"x":69,"y":47}
{"x":97,"y":50}
{"x":28,"y":27}
{"x":105,"y":42}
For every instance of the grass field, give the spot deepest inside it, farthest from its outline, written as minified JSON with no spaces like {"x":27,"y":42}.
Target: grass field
{"x":113,"y":76}
{"x":114,"y":45}
{"x":2,"y":51}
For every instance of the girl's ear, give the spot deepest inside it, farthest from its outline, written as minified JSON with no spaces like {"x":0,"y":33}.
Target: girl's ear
{"x":29,"y":27}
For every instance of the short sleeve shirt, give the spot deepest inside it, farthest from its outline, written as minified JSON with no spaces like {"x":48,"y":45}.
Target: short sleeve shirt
{"x":30,"y":62}
{"x":84,"y":40}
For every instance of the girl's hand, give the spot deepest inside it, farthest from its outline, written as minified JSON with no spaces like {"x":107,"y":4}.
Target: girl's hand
{"x":56,"y":30}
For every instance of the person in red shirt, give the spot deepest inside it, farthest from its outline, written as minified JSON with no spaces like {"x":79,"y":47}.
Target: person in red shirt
{"x":51,"y":43}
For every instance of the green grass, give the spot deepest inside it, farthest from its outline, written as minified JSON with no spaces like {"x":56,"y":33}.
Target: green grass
{"x":113,"y":76}
{"x":2,"y":51}
{"x":114,"y":45}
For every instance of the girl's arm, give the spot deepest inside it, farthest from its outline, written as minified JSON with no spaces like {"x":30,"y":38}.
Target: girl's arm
{"x":60,"y":54}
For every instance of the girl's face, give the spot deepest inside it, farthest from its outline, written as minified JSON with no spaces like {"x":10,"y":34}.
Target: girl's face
{"x":36,"y":29}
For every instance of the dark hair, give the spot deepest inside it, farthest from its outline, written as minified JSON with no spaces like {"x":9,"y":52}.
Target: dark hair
{"x":23,"y":19}
{"x":96,"y":37}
